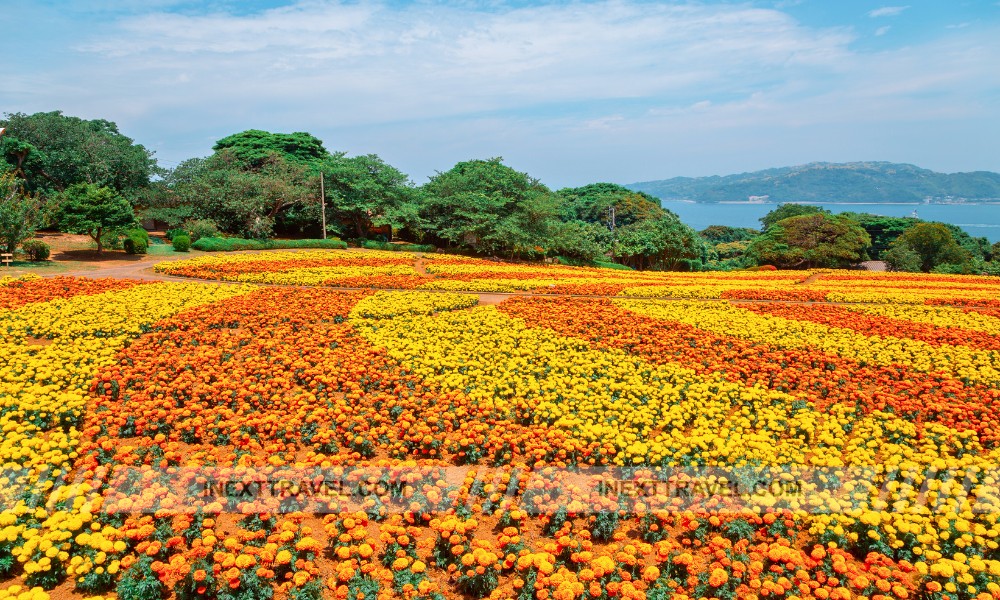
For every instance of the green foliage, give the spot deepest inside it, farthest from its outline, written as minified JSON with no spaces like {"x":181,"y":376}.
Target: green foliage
{"x":487,"y":206}
{"x":374,"y":245}
{"x":901,"y":257}
{"x":21,"y":213}
{"x":53,"y":152}
{"x":170,"y":233}
{"x":935,"y":244}
{"x":723,"y":234}
{"x":255,"y":148}
{"x":365,"y":192}
{"x":242,"y":199}
{"x":181,"y":243}
{"x":591,"y":204}
{"x":995,"y":252}
{"x":87,"y":208}
{"x":37,"y":250}
{"x":140,"y":582}
{"x":663,"y":243}
{"x":731,"y":249}
{"x":883,"y":230}
{"x":813,"y":240}
{"x":231,"y":244}
{"x":136,"y":241}
{"x":966,"y":268}
{"x":785,"y":211}
{"x":201,"y":228}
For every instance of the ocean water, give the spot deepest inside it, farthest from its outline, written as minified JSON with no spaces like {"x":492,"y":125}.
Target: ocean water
{"x":979,"y":220}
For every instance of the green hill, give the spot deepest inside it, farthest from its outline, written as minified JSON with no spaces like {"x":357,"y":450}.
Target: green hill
{"x":858,"y":182}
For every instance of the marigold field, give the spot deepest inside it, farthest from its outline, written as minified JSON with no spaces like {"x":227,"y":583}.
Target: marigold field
{"x":598,"y":434}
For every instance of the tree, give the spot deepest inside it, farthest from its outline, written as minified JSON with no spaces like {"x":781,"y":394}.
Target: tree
{"x":785,"y":211}
{"x":591,"y":204}
{"x":883,"y":230}
{"x":242,"y":200}
{"x":365,"y":191}
{"x":901,"y":257}
{"x":934,"y":244}
{"x":663,"y":243}
{"x":995,"y":252}
{"x":21,"y":213}
{"x":93,"y":210}
{"x":52,"y":152}
{"x":723,"y":234}
{"x":486,"y":205}
{"x":813,"y":240}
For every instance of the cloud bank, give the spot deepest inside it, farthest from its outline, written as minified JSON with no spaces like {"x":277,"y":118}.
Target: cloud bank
{"x":614,"y":90}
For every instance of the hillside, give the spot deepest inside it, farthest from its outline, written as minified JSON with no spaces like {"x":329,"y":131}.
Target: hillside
{"x":859,"y":182}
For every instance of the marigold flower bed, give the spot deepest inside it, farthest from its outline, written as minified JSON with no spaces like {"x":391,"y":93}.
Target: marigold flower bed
{"x":192,"y":440}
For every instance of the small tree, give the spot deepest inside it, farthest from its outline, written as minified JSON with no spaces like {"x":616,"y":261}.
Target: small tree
{"x":94,"y":210}
{"x":20,"y":213}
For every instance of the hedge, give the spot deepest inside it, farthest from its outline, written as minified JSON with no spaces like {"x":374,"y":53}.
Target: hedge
{"x":406,"y":247}
{"x":231,"y":244}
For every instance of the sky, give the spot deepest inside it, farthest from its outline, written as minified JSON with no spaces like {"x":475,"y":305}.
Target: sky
{"x":571,"y":92}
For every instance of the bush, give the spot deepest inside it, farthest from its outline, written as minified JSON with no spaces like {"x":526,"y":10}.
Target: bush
{"x":201,"y":228}
{"x":232,"y":244}
{"x":36,"y":250}
{"x":170,"y":233}
{"x":405,"y":247}
{"x":182,"y":243}
{"x":136,"y":241}
{"x":111,"y":240}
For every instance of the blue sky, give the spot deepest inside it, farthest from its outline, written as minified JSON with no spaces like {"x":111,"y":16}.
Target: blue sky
{"x":571,"y":92}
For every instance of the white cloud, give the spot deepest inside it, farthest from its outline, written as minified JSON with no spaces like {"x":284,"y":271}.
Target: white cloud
{"x":887,"y":11}
{"x":883,"y":30}
{"x":615,"y":89}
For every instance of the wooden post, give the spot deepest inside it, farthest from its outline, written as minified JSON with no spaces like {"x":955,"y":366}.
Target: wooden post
{"x":322,"y":201}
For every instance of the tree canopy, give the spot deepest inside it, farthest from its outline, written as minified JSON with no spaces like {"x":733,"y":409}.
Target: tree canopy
{"x":51,"y":152}
{"x":92,"y":210}
{"x":812,"y":240}
{"x":784,"y":211}
{"x":934,"y":244}
{"x":255,"y":148}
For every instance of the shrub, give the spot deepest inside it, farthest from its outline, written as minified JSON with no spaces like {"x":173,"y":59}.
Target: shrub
{"x":170,"y":233}
{"x":201,"y":228}
{"x":111,"y":240}
{"x":136,"y":241}
{"x":232,"y":244}
{"x":377,"y":245}
{"x":182,"y":243}
{"x":36,"y":250}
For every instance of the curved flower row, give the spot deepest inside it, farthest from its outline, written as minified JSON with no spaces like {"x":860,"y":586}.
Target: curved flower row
{"x":962,"y":362}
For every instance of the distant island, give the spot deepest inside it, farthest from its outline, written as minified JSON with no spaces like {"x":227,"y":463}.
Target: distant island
{"x":855,"y":183}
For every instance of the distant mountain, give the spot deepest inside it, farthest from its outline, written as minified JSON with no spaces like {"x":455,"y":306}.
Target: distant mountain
{"x":858,"y":182}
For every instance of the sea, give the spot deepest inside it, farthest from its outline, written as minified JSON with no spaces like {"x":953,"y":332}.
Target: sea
{"x":979,"y":220}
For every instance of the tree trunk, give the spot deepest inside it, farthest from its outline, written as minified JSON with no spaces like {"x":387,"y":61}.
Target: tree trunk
{"x":99,"y":241}
{"x":359,"y":225}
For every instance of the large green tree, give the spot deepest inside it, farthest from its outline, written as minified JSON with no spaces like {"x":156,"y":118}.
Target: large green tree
{"x":882,"y":229}
{"x":51,"y":152}
{"x":934,"y":244}
{"x":92,"y":210}
{"x":365,"y":191}
{"x":241,"y":199}
{"x":812,"y":240}
{"x":486,"y":205}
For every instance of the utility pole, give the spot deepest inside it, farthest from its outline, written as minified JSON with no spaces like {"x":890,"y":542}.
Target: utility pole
{"x":322,"y":201}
